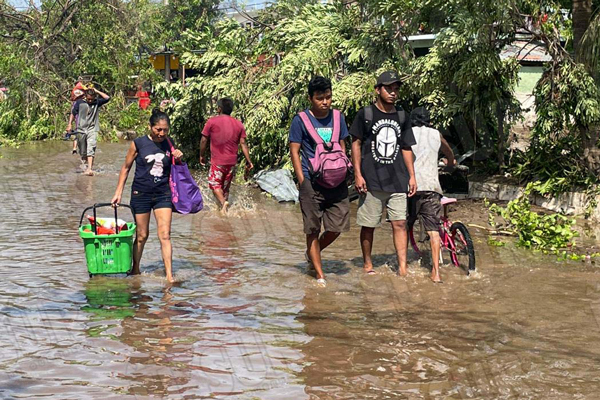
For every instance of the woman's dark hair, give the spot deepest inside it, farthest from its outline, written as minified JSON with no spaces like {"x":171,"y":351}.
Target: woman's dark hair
{"x":318,"y":84}
{"x":158,"y":115}
{"x":226,"y":105}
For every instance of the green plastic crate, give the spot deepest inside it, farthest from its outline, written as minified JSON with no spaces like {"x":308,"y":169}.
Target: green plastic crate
{"x":108,"y":254}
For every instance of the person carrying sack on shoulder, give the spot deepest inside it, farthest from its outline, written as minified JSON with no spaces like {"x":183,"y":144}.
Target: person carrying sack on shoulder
{"x":383,"y":168}
{"x":318,"y":155}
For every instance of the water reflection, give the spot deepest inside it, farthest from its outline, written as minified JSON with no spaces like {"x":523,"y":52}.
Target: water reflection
{"x":246,"y":322}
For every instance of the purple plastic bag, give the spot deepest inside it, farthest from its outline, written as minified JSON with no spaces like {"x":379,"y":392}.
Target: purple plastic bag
{"x":185,"y":193}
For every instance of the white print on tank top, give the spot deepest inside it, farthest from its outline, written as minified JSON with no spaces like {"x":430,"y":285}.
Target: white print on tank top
{"x":157,"y":168}
{"x":385,"y":147}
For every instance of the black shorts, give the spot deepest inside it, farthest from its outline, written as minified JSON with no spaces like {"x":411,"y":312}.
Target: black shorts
{"x":327,"y":206}
{"x":427,"y":206}
{"x":142,"y":203}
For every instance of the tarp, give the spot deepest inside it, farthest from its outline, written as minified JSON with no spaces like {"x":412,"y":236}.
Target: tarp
{"x":279,"y":183}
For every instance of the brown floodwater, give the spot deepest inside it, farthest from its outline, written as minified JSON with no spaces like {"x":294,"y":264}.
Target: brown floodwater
{"x":246,"y":321}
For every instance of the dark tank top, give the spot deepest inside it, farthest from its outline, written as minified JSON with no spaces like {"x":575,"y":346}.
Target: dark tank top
{"x":152,"y":166}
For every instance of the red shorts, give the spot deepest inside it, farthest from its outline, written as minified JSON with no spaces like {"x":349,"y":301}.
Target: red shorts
{"x":220,"y":177}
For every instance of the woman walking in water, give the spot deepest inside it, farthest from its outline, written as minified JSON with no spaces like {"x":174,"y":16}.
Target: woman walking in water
{"x":150,"y":188}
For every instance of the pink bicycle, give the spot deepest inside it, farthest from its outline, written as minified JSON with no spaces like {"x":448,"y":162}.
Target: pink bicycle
{"x":455,"y":239}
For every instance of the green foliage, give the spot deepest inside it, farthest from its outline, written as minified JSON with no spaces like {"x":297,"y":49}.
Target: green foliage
{"x":496,"y":243}
{"x":310,"y":39}
{"x":567,"y":103}
{"x":44,"y":49}
{"x":351,"y":44}
{"x":550,"y":233}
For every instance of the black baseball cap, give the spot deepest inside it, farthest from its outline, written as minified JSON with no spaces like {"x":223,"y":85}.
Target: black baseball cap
{"x":387,"y":78}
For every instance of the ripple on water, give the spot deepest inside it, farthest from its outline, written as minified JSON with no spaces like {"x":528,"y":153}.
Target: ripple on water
{"x":245,"y":321}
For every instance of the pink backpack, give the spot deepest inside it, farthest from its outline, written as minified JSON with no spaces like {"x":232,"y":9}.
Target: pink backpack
{"x":329,"y":167}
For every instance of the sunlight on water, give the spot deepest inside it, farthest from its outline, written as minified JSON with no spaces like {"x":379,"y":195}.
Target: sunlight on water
{"x":245,"y":320}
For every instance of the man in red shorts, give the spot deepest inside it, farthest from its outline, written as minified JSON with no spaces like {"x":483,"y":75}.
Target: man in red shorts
{"x":226,"y":134}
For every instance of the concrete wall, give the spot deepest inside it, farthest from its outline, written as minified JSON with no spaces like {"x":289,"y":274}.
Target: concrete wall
{"x":572,"y":203}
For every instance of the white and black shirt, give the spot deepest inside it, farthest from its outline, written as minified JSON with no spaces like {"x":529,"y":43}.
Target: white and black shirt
{"x":383,"y":140}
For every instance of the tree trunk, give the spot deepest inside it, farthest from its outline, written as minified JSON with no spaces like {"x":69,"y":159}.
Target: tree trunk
{"x":591,"y":152}
{"x":582,"y":13}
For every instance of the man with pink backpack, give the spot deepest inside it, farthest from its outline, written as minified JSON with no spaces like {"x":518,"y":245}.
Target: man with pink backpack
{"x":318,"y":155}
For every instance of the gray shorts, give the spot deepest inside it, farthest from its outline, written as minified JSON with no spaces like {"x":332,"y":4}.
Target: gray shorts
{"x":86,"y":142}
{"x":371,"y":205}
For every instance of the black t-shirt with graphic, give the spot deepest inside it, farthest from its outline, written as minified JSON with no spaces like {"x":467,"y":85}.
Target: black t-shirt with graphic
{"x":382,"y":163}
{"x":152,"y":166}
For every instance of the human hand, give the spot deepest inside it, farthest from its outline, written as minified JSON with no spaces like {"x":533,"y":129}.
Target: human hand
{"x":412,"y":186}
{"x":177,"y":154}
{"x":116,"y":199}
{"x":450,"y":165}
{"x":69,"y":128}
{"x":202,"y":161}
{"x":249,"y":165}
{"x":360,"y":184}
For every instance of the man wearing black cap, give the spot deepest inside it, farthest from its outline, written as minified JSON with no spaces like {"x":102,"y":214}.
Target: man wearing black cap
{"x":383,"y":168}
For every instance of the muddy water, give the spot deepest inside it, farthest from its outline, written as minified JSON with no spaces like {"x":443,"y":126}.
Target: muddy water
{"x":245,"y":321}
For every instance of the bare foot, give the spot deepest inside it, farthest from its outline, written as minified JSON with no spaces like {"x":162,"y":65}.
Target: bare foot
{"x":402,"y":272}
{"x":435,"y":277}
{"x":368,"y":268}
{"x":170,"y":279}
{"x":89,"y":172}
{"x":135,"y":271}
{"x":225,"y":207}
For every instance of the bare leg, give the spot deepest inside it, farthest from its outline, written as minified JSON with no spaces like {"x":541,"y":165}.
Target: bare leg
{"x":90,"y":164}
{"x":314,"y":253}
{"x":325,"y":240}
{"x":220,"y":195}
{"x":434,"y":239}
{"x":366,"y":245}
{"x":141,"y":236}
{"x":163,"y":218}
{"x":400,"y":243}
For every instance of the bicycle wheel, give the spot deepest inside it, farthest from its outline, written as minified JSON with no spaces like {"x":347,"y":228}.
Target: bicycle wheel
{"x":420,"y":242}
{"x":464,"y":253}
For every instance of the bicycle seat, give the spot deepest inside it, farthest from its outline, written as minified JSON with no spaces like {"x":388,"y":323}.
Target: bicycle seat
{"x":448,"y":200}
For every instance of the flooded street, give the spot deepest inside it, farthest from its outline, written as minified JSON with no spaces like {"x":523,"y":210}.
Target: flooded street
{"x":245,"y":321}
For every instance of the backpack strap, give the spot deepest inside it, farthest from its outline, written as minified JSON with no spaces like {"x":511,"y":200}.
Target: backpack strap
{"x":369,"y":116}
{"x":401,"y":114}
{"x":309,"y":127}
{"x":337,"y":117}
{"x":368,"y":119}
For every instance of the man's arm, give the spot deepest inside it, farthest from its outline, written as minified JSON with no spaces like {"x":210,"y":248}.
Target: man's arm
{"x":70,"y":124}
{"x":246,"y":153}
{"x":203,"y":143}
{"x":447,"y":150}
{"x":295,"y":154}
{"x":102,"y":94}
{"x":409,"y":161}
{"x":359,"y":181}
